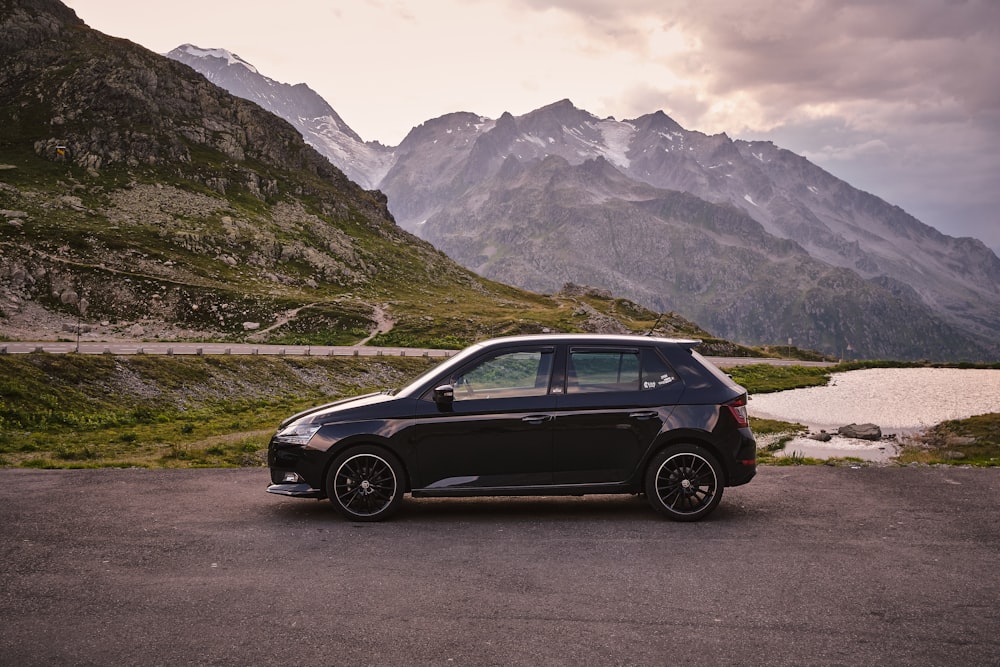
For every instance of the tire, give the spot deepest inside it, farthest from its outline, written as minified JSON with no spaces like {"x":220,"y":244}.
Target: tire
{"x":684,"y":482}
{"x":366,"y":484}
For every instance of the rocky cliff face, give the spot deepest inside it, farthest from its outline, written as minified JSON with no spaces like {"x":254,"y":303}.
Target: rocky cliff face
{"x":142,"y":198}
{"x":95,"y":102}
{"x":677,"y":252}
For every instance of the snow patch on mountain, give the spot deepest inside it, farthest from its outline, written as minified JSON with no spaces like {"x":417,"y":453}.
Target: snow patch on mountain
{"x":537,"y":141}
{"x":222,"y":54}
{"x":617,"y":139}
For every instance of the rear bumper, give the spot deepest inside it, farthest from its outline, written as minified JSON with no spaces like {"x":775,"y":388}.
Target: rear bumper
{"x":745,"y":465}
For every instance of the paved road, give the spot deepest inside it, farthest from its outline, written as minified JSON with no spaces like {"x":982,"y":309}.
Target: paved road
{"x":803,"y":566}
{"x":140,"y":347}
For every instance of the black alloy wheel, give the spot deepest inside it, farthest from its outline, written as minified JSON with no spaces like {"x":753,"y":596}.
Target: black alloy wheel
{"x":365,"y":484}
{"x":684,"y":482}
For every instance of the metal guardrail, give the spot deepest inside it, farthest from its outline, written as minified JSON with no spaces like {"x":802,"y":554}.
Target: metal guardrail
{"x":200,"y":349}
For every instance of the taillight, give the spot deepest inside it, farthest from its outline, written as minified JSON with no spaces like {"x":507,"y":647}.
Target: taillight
{"x":738,"y":408}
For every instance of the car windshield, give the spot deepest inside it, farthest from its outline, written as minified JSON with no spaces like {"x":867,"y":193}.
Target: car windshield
{"x":414,"y":387}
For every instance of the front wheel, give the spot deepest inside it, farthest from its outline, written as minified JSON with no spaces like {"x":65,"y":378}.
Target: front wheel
{"x":684,"y":482}
{"x":365,"y":484}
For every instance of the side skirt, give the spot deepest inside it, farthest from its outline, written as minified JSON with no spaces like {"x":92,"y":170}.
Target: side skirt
{"x":560,"y":490}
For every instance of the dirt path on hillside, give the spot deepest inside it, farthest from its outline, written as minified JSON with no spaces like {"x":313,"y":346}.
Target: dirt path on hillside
{"x":384,"y":322}
{"x":281,"y":321}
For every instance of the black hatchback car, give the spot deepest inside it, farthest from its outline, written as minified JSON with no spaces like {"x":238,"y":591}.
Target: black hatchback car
{"x":530,"y":415}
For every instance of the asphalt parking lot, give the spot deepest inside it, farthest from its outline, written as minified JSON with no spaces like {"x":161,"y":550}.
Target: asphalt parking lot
{"x":803,"y":566}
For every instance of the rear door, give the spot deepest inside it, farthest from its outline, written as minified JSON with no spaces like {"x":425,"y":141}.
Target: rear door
{"x":613,"y":404}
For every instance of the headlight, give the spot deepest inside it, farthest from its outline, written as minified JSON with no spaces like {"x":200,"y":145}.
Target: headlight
{"x":297,"y":434}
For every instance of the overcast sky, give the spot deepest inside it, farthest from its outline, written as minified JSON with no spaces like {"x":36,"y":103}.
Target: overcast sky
{"x":900,"y":98}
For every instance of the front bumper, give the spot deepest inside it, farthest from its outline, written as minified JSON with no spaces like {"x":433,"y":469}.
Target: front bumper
{"x":296,"y":490}
{"x":296,"y":470}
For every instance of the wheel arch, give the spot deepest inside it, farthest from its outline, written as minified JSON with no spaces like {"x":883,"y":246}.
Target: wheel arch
{"x":684,"y":437}
{"x":684,"y":482}
{"x":369,"y":441}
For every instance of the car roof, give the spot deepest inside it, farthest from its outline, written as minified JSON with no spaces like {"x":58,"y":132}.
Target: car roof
{"x":621,"y":339}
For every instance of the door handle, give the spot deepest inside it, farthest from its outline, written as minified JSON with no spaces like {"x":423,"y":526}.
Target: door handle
{"x":643,"y":414}
{"x":536,"y":419}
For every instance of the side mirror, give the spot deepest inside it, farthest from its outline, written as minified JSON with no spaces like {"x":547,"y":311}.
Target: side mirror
{"x":444,"y":395}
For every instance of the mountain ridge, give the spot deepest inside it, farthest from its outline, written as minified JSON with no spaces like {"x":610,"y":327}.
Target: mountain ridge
{"x":447,"y":182}
{"x":299,"y":104}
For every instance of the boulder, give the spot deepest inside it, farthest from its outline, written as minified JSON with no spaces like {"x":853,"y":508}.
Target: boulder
{"x":861,"y":431}
{"x":73,"y":327}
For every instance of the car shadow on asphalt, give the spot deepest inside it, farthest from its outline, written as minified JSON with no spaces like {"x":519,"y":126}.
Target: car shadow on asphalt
{"x":538,"y":509}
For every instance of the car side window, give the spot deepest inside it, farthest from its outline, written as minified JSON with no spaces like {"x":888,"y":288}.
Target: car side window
{"x":508,"y":375}
{"x":590,"y":371}
{"x":656,"y":373}
{"x":602,"y":370}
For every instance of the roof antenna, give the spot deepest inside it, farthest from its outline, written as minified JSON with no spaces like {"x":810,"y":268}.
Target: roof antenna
{"x":658,"y":318}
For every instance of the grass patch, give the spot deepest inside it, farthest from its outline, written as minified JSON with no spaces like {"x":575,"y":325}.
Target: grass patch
{"x":325,"y":324}
{"x":90,"y":411}
{"x":764,"y":378}
{"x":795,"y":460}
{"x":82,"y":411}
{"x":772,"y":436}
{"x":775,"y":427}
{"x":974,"y":441}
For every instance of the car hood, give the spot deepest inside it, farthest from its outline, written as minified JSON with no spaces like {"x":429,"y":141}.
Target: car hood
{"x":339,"y":409}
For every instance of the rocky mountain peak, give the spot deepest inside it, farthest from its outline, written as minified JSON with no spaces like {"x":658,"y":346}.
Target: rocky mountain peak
{"x":555,"y":118}
{"x":29,"y":22}
{"x":228,"y":57}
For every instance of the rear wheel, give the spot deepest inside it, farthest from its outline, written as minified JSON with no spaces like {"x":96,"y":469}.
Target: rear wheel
{"x":684,"y":482}
{"x":365,"y":484}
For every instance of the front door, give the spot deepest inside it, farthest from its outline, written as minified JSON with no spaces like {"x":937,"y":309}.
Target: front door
{"x":496,"y":433}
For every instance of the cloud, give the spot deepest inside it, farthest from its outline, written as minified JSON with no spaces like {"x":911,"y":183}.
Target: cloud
{"x":900,"y":100}
{"x":797,"y":54}
{"x":865,"y":148}
{"x":943,"y":175}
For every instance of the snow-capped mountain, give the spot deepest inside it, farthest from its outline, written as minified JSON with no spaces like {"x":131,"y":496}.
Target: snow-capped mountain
{"x":365,"y":163}
{"x":750,"y":240}
{"x":560,"y":195}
